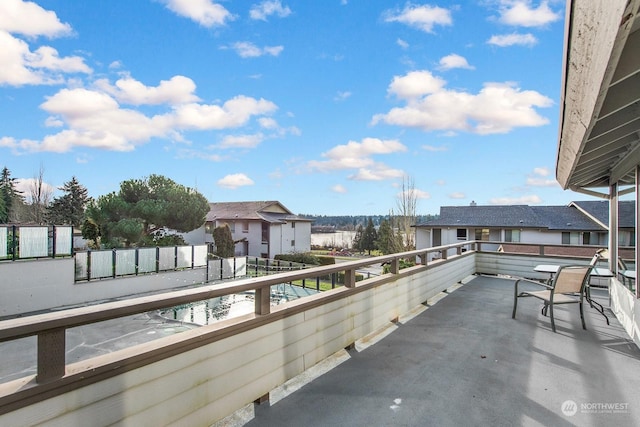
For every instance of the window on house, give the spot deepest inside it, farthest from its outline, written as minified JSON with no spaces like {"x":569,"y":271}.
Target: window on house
{"x":512,"y":236}
{"x":232,"y":227}
{"x":293,"y":225}
{"x":208,"y":227}
{"x":293,"y":243}
{"x":482,"y":234}
{"x":265,"y":232}
{"x":586,"y":238}
{"x":462,"y":234}
{"x":245,"y":226}
{"x":570,"y":238}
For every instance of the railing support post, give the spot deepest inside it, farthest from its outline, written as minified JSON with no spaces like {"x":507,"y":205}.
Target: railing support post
{"x":263,"y":300}
{"x":395,"y":266}
{"x":51,"y":350}
{"x":350,"y":278}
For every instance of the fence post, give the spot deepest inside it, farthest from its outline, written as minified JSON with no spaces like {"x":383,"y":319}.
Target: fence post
{"x":53,"y":241}
{"x":137,"y":260}
{"x":157,"y":259}
{"x":193,"y":256}
{"x":89,"y":265}
{"x":175,"y":258}
{"x":113,"y":262}
{"x":13,"y":243}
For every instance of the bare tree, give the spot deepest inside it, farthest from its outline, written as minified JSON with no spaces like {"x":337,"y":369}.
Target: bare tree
{"x":407,"y":201}
{"x":40,"y":195}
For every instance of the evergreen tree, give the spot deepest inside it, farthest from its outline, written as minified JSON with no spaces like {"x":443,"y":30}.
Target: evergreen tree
{"x":225,"y":247}
{"x":357,"y":239}
{"x":389,"y":241}
{"x":369,"y":237}
{"x":69,"y":208}
{"x":12,"y":199}
{"x":144,"y":209}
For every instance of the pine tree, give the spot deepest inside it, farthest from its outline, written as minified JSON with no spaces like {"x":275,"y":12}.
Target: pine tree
{"x":369,"y":237}
{"x":12,"y":199}
{"x":69,"y":208}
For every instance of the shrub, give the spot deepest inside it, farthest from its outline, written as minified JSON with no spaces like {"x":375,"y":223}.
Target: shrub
{"x":302,"y":258}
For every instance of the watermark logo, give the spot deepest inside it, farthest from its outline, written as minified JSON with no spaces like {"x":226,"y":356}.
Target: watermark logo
{"x":569,"y":408}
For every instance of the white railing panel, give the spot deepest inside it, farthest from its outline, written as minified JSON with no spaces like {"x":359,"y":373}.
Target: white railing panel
{"x":200,"y":256}
{"x":4,"y":237}
{"x":167,"y":258}
{"x":146,"y":260}
{"x":101,"y":264}
{"x":184,"y":257}
{"x":64,"y":240}
{"x":81,"y":265}
{"x":125,"y":262}
{"x":34,"y":242}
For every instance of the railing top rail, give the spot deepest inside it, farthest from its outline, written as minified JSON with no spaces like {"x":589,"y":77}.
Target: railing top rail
{"x":31,"y":325}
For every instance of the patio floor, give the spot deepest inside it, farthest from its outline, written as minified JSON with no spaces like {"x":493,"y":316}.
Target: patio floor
{"x":464,"y":361}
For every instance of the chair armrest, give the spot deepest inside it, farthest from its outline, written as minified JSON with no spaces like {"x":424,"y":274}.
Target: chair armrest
{"x":535,"y":282}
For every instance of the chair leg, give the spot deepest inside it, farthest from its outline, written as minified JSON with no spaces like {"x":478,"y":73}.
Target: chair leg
{"x":584,"y":326}
{"x":515,"y":300}
{"x":553,"y":324}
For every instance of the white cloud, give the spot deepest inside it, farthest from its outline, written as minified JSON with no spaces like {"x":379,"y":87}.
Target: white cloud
{"x":423,"y":17}
{"x":338,"y":188}
{"x":403,"y":44}
{"x":177,"y":90}
{"x":541,"y":171}
{"x":521,"y":13}
{"x":234,"y":181}
{"x":457,"y":195}
{"x":268,"y":123}
{"x":341,"y":96}
{"x":233,"y":113}
{"x":242,"y":141}
{"x":415,"y":84}
{"x":204,"y":12}
{"x":267,"y":8}
{"x":538,"y":178}
{"x":497,"y":108}
{"x":27,"y":186}
{"x":250,"y":50}
{"x":434,"y":149}
{"x":19,"y":66}
{"x":454,"y":61}
{"x":513,"y":39}
{"x":358,"y":155}
{"x":377,"y":172}
{"x":355,"y":155}
{"x":31,"y":20}
{"x":524,"y":200}
{"x":417,"y":194}
{"x":94,"y":118}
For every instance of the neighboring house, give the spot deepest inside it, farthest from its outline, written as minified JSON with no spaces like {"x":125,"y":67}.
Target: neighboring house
{"x":260,"y":229}
{"x":578,"y":223}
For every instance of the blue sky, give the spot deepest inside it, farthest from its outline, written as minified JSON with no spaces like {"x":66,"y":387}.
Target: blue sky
{"x":322,"y":105}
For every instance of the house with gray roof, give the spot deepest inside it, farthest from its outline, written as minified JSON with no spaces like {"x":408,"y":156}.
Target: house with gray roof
{"x":259,"y":228}
{"x":582,"y":223}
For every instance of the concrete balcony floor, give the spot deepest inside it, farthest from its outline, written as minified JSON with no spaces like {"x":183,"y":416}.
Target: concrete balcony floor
{"x":465,"y":361}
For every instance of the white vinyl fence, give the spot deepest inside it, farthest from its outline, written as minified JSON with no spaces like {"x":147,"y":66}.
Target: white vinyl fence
{"x":23,"y":242}
{"x":113,"y":263}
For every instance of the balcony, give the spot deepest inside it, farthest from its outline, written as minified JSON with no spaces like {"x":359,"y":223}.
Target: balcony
{"x":429,"y":344}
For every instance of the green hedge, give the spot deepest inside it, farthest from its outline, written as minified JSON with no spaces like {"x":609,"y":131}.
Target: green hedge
{"x":302,"y":258}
